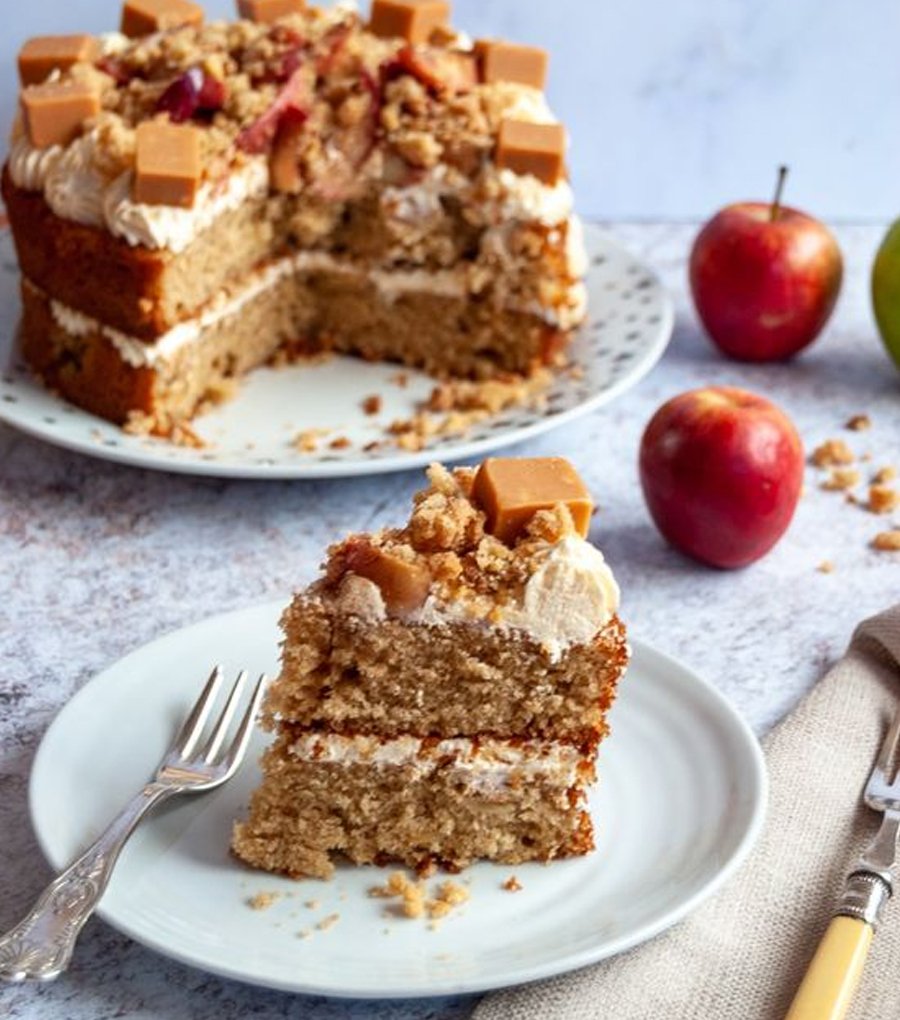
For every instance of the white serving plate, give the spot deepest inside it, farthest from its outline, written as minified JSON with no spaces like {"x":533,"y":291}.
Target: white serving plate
{"x":680,"y":802}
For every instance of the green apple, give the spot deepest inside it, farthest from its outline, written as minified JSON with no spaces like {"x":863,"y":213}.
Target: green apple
{"x":886,"y":291}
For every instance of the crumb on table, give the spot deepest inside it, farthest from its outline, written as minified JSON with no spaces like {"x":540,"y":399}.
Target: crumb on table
{"x":512,"y":884}
{"x":832,"y":453}
{"x":328,"y":922}
{"x":825,"y":567}
{"x":372,"y":404}
{"x":859,"y":423}
{"x":883,"y":475}
{"x":882,"y":499}
{"x":887,"y":541}
{"x":841,"y":478}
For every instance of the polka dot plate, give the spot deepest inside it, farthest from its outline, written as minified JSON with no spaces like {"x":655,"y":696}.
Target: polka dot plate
{"x":309,"y":420}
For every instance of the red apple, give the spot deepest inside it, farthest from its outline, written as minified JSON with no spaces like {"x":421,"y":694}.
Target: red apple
{"x":765,"y":278}
{"x":721,"y":471}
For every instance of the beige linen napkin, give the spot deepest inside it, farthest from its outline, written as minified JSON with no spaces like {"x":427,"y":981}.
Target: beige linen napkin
{"x":741,"y":955}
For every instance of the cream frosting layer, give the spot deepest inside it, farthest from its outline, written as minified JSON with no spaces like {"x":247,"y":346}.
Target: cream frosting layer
{"x":569,"y":598}
{"x":486,"y":763}
{"x":76,"y":190}
{"x":390,"y":284}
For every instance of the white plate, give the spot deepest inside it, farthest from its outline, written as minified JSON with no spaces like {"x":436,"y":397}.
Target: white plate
{"x":680,"y":802}
{"x":251,"y":436}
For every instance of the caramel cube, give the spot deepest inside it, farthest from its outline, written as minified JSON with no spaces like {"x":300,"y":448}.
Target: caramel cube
{"x":40,"y":56}
{"x":404,"y":585}
{"x":505,"y":61}
{"x":511,"y":490}
{"x":267,"y":11}
{"x":143,"y":17}
{"x":167,"y":164}
{"x":537,"y":149}
{"x":54,"y":113}
{"x":412,"y":20}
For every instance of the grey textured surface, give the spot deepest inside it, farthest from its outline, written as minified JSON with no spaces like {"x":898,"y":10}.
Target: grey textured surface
{"x":98,"y":559}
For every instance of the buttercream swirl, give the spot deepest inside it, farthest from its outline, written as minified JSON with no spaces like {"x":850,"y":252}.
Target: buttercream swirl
{"x":29,"y":167}
{"x":74,"y":188}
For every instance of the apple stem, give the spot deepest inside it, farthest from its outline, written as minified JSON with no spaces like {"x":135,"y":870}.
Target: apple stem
{"x":779,"y":189}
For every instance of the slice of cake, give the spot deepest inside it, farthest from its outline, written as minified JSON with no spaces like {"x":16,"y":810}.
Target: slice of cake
{"x":189,"y":198}
{"x":445,"y":685}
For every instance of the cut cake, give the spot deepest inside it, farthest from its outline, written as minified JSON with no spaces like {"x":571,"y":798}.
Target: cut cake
{"x":445,"y":685}
{"x":189,"y":198}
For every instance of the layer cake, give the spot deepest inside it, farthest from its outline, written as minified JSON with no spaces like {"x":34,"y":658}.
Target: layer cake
{"x":189,"y":198}
{"x":445,"y":685}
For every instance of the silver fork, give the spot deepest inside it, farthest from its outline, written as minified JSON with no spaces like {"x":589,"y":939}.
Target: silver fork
{"x":834,"y":973}
{"x":41,"y":945}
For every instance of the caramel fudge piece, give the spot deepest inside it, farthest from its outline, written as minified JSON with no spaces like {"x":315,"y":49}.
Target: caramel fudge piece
{"x":40,"y":56}
{"x":512,"y":490}
{"x":537,"y":149}
{"x":143,"y":17}
{"x":54,"y":113}
{"x":412,"y":20}
{"x":167,"y":165}
{"x":404,"y":585}
{"x":267,"y":11}
{"x":505,"y":61}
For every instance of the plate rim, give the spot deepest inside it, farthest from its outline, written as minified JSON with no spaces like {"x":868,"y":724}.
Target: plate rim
{"x":757,"y":784}
{"x":407,"y":461}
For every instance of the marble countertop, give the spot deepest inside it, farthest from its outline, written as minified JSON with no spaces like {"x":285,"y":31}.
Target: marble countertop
{"x":98,"y":559}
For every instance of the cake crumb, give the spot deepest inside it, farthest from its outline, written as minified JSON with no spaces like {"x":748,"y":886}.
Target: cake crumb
{"x":841,"y":479}
{"x":882,"y":499}
{"x":883,"y":475}
{"x":341,"y":443}
{"x":328,"y":922}
{"x":825,"y":567}
{"x":400,"y":379}
{"x":308,"y":441}
{"x":859,"y":423}
{"x":399,"y":886}
{"x":454,"y":408}
{"x":372,"y":404}
{"x":512,"y":884}
{"x":312,"y":904}
{"x":832,"y":453}
{"x":449,"y":896}
{"x":304,"y":933}
{"x":261,"y":900}
{"x":887,"y":541}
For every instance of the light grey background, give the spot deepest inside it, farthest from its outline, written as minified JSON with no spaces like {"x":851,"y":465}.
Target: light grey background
{"x":675,"y":106}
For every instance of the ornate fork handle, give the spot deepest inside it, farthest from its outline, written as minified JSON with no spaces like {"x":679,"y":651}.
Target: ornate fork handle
{"x":41,"y":944}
